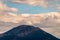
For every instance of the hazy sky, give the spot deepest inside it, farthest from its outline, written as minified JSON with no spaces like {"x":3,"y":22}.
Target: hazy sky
{"x":32,"y":6}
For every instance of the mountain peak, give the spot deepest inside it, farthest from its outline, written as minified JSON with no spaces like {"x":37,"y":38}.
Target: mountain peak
{"x":27,"y":32}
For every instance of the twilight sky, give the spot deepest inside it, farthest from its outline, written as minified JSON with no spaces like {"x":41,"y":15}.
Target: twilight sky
{"x":30,"y":6}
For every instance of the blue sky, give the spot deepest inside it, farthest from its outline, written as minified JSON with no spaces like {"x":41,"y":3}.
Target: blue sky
{"x":25,"y":8}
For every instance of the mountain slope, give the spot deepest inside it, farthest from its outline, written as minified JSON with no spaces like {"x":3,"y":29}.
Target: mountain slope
{"x":27,"y":32}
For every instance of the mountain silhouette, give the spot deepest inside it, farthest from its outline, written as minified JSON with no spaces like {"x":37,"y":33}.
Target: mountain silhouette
{"x":27,"y":32}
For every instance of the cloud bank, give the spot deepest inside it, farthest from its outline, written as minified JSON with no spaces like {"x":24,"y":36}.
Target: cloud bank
{"x":47,"y":19}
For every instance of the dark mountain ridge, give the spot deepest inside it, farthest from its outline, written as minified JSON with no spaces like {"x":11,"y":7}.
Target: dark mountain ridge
{"x":27,"y":32}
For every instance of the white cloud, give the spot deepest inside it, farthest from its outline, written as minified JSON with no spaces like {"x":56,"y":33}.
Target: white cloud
{"x":12,"y":14}
{"x":14,"y":9}
{"x":25,"y":15}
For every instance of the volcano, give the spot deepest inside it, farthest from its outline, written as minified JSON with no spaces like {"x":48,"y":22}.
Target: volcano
{"x":27,"y":32}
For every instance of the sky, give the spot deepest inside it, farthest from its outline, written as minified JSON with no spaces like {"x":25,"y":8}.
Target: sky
{"x":31,"y":6}
{"x":45,"y":12}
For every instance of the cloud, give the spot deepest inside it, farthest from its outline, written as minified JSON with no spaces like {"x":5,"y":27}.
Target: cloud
{"x":55,"y":4}
{"x":6,"y":8}
{"x":32,"y":2}
{"x":7,"y":13}
{"x":43,"y":3}
{"x":12,"y":14}
{"x":3,"y":7}
{"x":31,"y":18}
{"x":58,"y":8}
{"x":14,"y":9}
{"x":25,"y":15}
